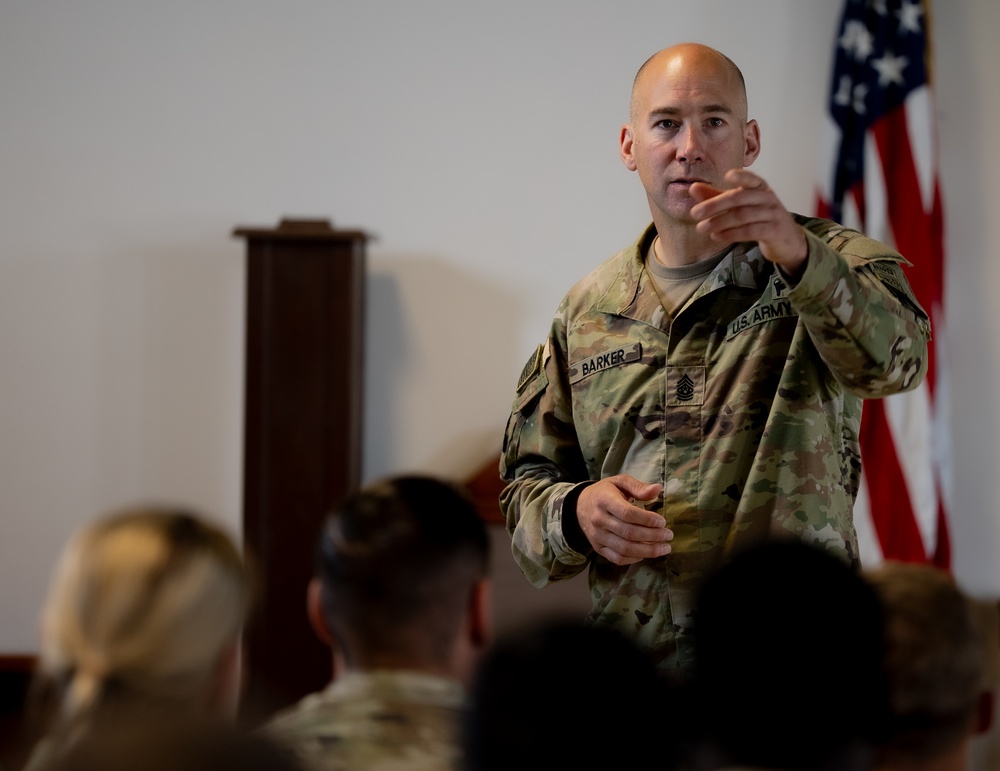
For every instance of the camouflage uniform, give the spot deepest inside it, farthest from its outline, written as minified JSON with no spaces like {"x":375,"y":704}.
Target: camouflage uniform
{"x":386,"y":719}
{"x":746,"y":406}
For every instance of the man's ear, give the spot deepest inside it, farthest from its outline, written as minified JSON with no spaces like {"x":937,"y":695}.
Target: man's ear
{"x":481,"y":613}
{"x":626,"y":140}
{"x":314,"y":610}
{"x":751,"y":139}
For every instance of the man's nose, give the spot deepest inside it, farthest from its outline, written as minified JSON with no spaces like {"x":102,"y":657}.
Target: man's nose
{"x":691,"y":144}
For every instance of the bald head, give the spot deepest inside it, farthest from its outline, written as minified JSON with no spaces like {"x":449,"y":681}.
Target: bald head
{"x":687,"y":60}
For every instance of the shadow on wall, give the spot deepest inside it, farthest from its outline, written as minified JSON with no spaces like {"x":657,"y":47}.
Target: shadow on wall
{"x":438,"y":389}
{"x":438,"y":380}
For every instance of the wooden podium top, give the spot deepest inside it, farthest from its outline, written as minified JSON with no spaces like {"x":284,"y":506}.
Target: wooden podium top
{"x":302,"y":229}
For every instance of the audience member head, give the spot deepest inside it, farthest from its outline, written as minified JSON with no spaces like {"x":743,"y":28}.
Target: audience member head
{"x":936,"y":664}
{"x":564,"y":695}
{"x":145,"y":609}
{"x":788,"y":646}
{"x":402,"y":578}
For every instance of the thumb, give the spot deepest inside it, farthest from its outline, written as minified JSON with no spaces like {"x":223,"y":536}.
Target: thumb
{"x":633,"y":488}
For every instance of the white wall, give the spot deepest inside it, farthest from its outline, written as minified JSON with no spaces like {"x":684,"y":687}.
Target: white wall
{"x":476,"y":142}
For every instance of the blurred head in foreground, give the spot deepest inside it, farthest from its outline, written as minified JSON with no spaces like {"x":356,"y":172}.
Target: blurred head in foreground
{"x":144,"y":611}
{"x":565,"y":695}
{"x":402,"y":579}
{"x":401,"y":597}
{"x":936,"y":663}
{"x":788,"y":645}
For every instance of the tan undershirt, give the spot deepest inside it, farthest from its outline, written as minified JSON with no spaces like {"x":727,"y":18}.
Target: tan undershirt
{"x":674,"y":286}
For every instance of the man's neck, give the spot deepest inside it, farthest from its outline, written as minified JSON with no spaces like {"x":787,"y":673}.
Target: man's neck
{"x":676,"y":246}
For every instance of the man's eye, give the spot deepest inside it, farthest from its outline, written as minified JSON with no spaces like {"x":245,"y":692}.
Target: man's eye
{"x":667,"y":123}
{"x":715,"y":121}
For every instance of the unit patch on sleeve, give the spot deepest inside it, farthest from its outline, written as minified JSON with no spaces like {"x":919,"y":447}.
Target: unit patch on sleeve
{"x":890,"y":274}
{"x":533,"y":365}
{"x":603,"y":361}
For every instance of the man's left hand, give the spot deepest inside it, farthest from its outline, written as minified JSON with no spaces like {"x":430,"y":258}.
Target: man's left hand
{"x":750,"y":211}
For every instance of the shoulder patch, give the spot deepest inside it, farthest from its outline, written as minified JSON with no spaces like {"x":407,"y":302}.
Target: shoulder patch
{"x":530,"y":369}
{"x":533,"y":380}
{"x":891,"y":275}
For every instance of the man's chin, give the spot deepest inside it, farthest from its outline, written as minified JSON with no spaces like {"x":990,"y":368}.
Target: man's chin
{"x":680,"y":210}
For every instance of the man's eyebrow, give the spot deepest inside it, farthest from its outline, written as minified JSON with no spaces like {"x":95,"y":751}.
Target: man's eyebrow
{"x":708,"y":108}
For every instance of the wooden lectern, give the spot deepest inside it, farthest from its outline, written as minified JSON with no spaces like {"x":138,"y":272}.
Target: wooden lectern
{"x":302,"y":440}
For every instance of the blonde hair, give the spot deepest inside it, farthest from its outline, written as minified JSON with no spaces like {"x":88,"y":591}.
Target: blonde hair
{"x":143,"y":605}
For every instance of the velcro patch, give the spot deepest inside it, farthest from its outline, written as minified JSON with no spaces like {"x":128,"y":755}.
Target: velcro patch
{"x":534,"y":362}
{"x":758,"y":314}
{"x":685,"y":386}
{"x":890,"y":274}
{"x":603,"y":361}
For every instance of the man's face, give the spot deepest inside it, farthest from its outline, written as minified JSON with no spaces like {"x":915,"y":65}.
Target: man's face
{"x":688,"y":124}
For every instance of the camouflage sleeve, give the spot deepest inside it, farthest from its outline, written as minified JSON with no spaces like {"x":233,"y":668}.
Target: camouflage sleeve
{"x":861,"y":314}
{"x":542,"y":461}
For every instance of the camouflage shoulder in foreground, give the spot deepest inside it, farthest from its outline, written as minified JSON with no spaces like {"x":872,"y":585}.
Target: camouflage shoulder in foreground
{"x":382,"y":721}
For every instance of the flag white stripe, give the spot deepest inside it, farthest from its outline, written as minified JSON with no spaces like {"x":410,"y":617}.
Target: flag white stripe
{"x":942,"y":411}
{"x":910,"y":417}
{"x":869,"y":548}
{"x":876,"y":202}
{"x":919,"y":111}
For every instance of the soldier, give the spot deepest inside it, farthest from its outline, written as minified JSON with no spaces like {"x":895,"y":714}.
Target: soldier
{"x":701,"y":390}
{"x":402,"y":598}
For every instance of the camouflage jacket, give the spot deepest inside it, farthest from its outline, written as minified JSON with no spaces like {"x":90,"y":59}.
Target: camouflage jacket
{"x":745,"y":405}
{"x":387,"y":719}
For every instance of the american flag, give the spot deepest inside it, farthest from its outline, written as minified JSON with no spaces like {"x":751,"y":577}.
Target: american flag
{"x":881,"y":177}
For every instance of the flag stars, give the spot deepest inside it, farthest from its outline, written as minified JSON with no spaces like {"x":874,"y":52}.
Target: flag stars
{"x":909,"y":18}
{"x":890,"y":68}
{"x":880,"y":7}
{"x":857,"y":40}
{"x":848,"y":96}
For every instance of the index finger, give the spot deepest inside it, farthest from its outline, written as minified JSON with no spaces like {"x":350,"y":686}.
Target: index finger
{"x":745,"y":179}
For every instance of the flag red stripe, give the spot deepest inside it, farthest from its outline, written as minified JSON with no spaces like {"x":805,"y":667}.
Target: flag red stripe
{"x":917,"y":233}
{"x":891,"y":510}
{"x":866,"y":96}
{"x":942,"y":550}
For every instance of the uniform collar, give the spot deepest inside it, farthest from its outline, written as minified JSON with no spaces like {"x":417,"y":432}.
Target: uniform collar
{"x":632,"y":295}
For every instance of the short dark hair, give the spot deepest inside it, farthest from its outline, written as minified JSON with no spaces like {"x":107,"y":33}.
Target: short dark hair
{"x":397,"y":562}
{"x":788,"y":638}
